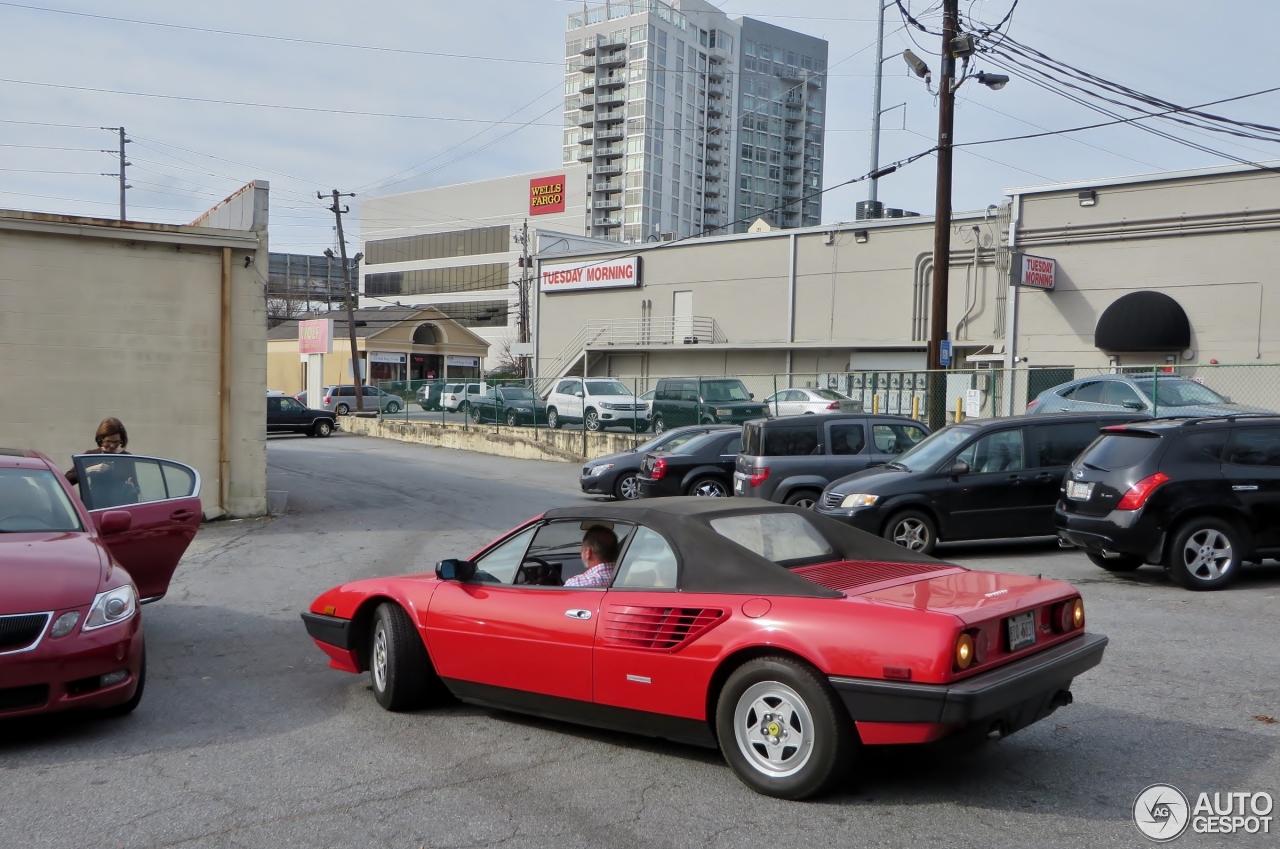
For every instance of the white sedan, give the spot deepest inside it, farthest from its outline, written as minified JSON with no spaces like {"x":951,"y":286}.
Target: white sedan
{"x":797,"y":402}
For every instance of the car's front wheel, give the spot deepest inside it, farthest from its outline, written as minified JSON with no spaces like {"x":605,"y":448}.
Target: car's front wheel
{"x":805,"y":499}
{"x":591,"y":421}
{"x":512,"y":418}
{"x":627,"y":487}
{"x":659,"y":426}
{"x":709,"y":487}
{"x":322,"y":428}
{"x":403,"y":678}
{"x":1119,"y":563}
{"x":393,"y":407}
{"x":782,"y":728}
{"x":1206,"y":554}
{"x":342,"y":410}
{"x":553,"y":418}
{"x":914,"y":530}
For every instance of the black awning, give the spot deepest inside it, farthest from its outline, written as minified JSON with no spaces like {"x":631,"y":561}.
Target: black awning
{"x":1143,"y":321}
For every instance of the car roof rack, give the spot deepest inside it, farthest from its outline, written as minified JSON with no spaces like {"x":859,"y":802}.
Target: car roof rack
{"x":1230,"y":417}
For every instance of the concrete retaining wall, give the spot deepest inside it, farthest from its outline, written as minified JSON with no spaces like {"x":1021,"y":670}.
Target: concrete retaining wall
{"x":524,"y":442}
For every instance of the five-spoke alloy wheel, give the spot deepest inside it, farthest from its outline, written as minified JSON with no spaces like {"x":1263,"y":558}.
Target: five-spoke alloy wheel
{"x":914,"y":530}
{"x":627,"y":488}
{"x":1205,"y":554}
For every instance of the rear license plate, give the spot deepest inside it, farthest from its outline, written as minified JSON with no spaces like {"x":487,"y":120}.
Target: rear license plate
{"x":1079,"y":491}
{"x":739,"y":486}
{"x":1022,"y":631}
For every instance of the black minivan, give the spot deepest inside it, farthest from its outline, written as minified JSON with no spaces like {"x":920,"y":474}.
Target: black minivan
{"x":1198,"y":496}
{"x":979,"y":479}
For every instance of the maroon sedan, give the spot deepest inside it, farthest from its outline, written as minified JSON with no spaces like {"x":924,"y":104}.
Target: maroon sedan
{"x":74,"y":571}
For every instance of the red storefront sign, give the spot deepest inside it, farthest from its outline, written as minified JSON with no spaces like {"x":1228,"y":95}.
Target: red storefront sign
{"x":315,"y":336}
{"x":546,"y":195}
{"x":1034,"y":271}
{"x":599,"y":274}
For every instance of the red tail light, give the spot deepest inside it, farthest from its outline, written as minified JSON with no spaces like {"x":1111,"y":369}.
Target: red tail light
{"x":1031,"y":405}
{"x":328,"y":398}
{"x":659,"y":469}
{"x":834,"y":405}
{"x":298,"y":397}
{"x":1141,"y":491}
{"x":759,"y":476}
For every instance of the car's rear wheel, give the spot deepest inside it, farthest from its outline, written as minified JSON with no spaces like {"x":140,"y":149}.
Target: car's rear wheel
{"x":342,"y":410}
{"x":553,"y":418}
{"x":659,"y":426}
{"x":782,"y":729}
{"x":403,"y":678}
{"x":322,"y":427}
{"x":627,"y":487}
{"x":591,"y":421}
{"x":512,"y":418}
{"x":709,"y":487}
{"x":476,"y":414}
{"x":805,"y":499}
{"x":131,"y":705}
{"x":1205,"y":554}
{"x":1119,"y":563}
{"x":914,"y":530}
{"x":393,"y":407}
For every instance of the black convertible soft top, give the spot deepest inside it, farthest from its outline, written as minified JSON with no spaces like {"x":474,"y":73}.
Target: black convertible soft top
{"x":711,"y":563}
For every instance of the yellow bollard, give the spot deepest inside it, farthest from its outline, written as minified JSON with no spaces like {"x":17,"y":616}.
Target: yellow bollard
{"x":875,"y":403}
{"x":959,"y":410}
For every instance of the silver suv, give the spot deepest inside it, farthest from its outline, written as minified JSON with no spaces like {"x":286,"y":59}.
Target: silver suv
{"x":596,"y":404}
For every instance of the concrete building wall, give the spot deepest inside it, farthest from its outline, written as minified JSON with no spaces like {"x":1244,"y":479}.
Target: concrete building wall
{"x":99,"y":318}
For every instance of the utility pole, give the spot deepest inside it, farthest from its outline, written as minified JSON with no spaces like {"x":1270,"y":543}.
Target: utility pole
{"x":356,"y":376}
{"x":942,"y":218}
{"x":123,"y":164}
{"x":526,"y":262}
{"x":873,"y":194}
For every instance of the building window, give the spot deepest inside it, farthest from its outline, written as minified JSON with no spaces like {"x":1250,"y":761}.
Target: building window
{"x":435,"y":281}
{"x":478,"y":240}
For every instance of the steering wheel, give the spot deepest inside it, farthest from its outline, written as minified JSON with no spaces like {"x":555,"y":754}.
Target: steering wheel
{"x":42,"y":521}
{"x":544,"y":575}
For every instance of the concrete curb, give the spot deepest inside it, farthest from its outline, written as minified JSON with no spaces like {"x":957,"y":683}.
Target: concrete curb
{"x":524,"y":443}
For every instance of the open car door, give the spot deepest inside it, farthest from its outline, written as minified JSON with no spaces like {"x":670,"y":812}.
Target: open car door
{"x":163,"y":499}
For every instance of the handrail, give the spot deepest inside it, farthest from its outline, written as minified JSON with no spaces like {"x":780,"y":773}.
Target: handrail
{"x":661,"y":330}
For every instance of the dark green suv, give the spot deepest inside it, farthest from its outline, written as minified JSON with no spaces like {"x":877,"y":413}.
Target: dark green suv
{"x":680,"y":401}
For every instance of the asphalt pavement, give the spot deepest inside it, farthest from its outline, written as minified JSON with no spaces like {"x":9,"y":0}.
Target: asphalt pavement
{"x":245,"y":738}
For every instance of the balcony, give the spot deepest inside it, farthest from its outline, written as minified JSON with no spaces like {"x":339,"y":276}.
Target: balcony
{"x":609,"y":135}
{"x":611,"y":116}
{"x":715,"y":90}
{"x":606,"y":186}
{"x":715,"y":126}
{"x":604,"y":169}
{"x":588,"y":84}
{"x":713,"y":174}
{"x":793,"y":130}
{"x":711,"y":189}
{"x":610,"y":151}
{"x":791,"y":177}
{"x":713,"y":158}
{"x":610,"y":98}
{"x":586,"y":119}
{"x":586,"y":138}
{"x":607,"y":221}
{"x":611,"y":81}
{"x":605,"y":205}
{"x":713,"y":141}
{"x":715,"y":71}
{"x":714,"y":108}
{"x":585,"y":154}
{"x":587,"y":103}
{"x":614,"y":59}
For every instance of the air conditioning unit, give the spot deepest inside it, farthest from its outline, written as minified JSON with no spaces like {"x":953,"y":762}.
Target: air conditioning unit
{"x":691,"y":340}
{"x":667,"y":237}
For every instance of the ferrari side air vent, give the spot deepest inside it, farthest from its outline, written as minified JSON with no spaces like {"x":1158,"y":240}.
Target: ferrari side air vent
{"x":851,"y":574}
{"x":658,"y":628}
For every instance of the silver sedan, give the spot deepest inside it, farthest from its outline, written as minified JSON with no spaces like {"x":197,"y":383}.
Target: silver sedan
{"x":798,"y":402}
{"x":1153,"y":394}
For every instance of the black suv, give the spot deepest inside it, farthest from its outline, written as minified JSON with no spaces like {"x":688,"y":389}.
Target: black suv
{"x":793,"y":458}
{"x":1199,"y":496}
{"x":285,"y":415}
{"x":679,"y":401}
{"x":979,"y":479}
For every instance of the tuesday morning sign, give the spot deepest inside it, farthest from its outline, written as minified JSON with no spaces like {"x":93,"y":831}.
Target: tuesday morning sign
{"x":598,"y":274}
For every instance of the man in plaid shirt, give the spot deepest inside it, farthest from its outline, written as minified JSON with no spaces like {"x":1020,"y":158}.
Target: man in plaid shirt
{"x":599,"y":552}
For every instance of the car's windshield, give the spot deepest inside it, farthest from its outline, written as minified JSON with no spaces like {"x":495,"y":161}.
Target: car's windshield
{"x":1177,"y":392}
{"x":514,"y":393}
{"x":32,"y":500}
{"x":724,"y":390}
{"x":934,"y":448}
{"x":607,"y":387}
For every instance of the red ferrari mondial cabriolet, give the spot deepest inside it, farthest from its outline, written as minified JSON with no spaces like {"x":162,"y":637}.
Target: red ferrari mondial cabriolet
{"x":70,"y":630}
{"x":787,"y":639}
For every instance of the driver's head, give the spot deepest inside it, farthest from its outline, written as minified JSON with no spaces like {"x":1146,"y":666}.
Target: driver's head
{"x":599,"y":545}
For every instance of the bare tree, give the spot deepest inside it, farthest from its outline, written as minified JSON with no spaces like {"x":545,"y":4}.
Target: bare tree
{"x":280,"y":309}
{"x":505,"y":362}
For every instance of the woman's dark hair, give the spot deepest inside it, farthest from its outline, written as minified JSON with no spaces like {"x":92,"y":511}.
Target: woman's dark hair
{"x":111,"y":427}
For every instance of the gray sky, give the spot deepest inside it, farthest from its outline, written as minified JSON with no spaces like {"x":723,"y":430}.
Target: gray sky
{"x":188,"y":154}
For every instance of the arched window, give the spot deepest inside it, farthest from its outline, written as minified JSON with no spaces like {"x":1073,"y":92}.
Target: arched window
{"x":426,"y":334}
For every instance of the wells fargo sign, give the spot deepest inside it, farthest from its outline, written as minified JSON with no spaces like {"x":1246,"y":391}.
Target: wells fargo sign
{"x":546,"y":195}
{"x":315,"y":337}
{"x":600,"y":274}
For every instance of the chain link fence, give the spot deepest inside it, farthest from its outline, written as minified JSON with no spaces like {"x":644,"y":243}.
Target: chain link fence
{"x":630,"y":404}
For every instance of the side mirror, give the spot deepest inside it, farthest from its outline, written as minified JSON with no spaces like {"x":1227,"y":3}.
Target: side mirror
{"x":959,"y":467}
{"x":453,"y":569}
{"x":1134,"y":405}
{"x":577,"y":395}
{"x":751,"y":395}
{"x":115,"y":522}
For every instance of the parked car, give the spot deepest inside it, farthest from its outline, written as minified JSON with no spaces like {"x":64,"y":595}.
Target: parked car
{"x":679,"y":401}
{"x":647,"y":398}
{"x":1198,"y":496}
{"x":431,"y":396}
{"x":615,"y":474}
{"x":76,"y":570}
{"x":792,"y":459}
{"x":515,"y":405}
{"x":797,"y":402}
{"x":285,"y":415}
{"x":701,"y":466}
{"x":342,"y":400}
{"x":766,"y":631}
{"x":457,"y":397}
{"x":596,"y":404}
{"x":1155,"y":394}
{"x":980,"y":479}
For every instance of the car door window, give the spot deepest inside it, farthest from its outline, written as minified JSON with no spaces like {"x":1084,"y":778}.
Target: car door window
{"x":848,"y":438}
{"x":500,"y":565}
{"x":1089,"y":392}
{"x":1121,"y":394}
{"x":732,"y":447}
{"x":996,"y":452}
{"x":791,"y":441}
{"x":275,"y":405}
{"x":1059,"y":444}
{"x":560,"y":544}
{"x":795,"y":395}
{"x":563,"y":387}
{"x":114,"y":480}
{"x":895,"y":438}
{"x":649,"y":563}
{"x":689,"y":392}
{"x":1255,"y":446}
